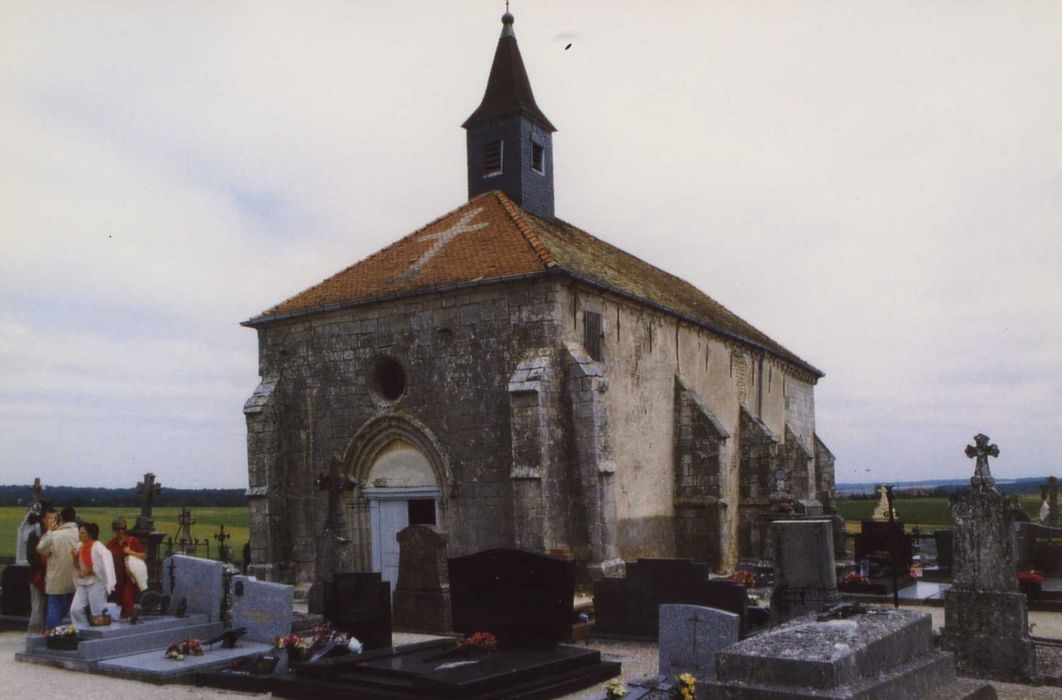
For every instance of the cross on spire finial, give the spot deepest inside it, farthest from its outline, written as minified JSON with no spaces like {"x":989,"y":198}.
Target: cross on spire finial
{"x":982,"y":478}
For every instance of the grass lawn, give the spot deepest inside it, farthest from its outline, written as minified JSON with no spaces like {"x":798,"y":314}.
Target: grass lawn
{"x":926,"y":513}
{"x":207,"y":522}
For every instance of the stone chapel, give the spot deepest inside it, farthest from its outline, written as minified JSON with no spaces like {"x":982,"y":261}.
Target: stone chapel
{"x":521,"y":383}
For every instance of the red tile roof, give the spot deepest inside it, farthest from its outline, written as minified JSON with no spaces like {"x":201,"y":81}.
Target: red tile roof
{"x":491,"y":239}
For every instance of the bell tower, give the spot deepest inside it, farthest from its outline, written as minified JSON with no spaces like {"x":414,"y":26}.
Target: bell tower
{"x":509,"y":139}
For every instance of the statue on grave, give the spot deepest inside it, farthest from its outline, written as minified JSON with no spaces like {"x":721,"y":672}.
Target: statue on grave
{"x":883,"y":513}
{"x":1049,"y":514}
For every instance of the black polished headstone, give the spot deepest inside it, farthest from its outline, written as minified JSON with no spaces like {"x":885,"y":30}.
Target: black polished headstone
{"x":359,"y":604}
{"x":1040,"y":548}
{"x":15,"y":599}
{"x":629,"y":607}
{"x":885,"y":544}
{"x":515,"y":595}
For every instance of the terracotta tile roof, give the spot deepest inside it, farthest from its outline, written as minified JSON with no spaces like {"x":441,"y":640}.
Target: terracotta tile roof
{"x":490,"y":238}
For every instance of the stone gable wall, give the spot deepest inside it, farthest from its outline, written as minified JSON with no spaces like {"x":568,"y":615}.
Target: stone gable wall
{"x":458,"y":351}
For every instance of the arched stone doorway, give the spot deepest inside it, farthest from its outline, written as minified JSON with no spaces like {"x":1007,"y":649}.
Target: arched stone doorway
{"x":401,"y":490}
{"x":402,"y":478}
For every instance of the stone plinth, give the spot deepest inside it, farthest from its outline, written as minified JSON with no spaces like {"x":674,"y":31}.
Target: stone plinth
{"x":804,"y":576}
{"x":985,"y":617}
{"x":422,"y":595}
{"x":877,"y":653}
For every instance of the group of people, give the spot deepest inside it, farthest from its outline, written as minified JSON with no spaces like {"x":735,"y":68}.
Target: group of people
{"x":74,"y":573}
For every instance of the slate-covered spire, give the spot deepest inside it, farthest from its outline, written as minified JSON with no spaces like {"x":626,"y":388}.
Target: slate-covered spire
{"x":508,"y":88}
{"x":510,"y":142}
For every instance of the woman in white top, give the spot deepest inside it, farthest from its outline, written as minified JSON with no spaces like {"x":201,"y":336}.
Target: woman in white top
{"x":94,"y":577}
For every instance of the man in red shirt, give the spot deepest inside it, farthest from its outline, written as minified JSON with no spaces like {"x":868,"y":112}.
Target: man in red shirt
{"x":122,"y":545}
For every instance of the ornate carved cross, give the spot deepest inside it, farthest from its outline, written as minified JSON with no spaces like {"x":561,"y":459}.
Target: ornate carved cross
{"x":982,"y":474}
{"x":222,"y":536}
{"x":184,"y":528}
{"x":147,"y":489}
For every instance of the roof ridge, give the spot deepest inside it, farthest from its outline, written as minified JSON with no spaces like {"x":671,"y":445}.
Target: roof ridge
{"x":517,"y":215}
{"x":377,"y":253}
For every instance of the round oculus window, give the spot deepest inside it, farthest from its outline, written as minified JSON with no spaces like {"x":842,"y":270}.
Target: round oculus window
{"x":388,"y":379}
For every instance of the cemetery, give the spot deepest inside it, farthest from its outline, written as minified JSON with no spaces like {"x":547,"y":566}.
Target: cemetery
{"x":500,"y":623}
{"x":471,"y":476}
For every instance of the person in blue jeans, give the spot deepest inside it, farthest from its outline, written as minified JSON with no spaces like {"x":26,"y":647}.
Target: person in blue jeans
{"x":59,"y":543}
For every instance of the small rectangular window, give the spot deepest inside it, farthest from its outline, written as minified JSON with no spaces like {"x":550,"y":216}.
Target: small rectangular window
{"x":492,"y":158}
{"x":538,"y":158}
{"x":421,"y":511}
{"x":592,"y":334}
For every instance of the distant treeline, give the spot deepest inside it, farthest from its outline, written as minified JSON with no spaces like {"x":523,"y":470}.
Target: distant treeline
{"x":84,"y":496}
{"x":938,"y":489}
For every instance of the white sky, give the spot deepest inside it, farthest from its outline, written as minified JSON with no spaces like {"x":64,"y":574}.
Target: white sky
{"x":876,"y":185}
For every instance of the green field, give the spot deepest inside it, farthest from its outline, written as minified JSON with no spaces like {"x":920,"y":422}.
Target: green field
{"x":926,"y":513}
{"x":207,"y":522}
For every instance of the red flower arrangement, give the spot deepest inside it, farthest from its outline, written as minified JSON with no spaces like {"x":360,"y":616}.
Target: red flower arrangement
{"x":484,"y":641}
{"x":854,"y":579}
{"x":1030,"y":577}
{"x":745,"y":578}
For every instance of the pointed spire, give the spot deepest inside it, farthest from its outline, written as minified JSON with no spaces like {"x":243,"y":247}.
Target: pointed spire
{"x":508,"y":88}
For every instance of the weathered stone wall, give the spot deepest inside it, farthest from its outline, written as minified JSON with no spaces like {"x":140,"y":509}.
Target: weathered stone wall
{"x":533,"y":442}
{"x":458,"y":351}
{"x":644,"y":353}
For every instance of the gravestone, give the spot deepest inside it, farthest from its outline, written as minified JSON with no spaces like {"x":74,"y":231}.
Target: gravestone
{"x":422,"y":594}
{"x":804,"y":575}
{"x":263,"y":609}
{"x":851,"y":652}
{"x":199,"y":581}
{"x":629,"y":607}
{"x":517,"y":596}
{"x":985,"y":617}
{"x":945,"y":542}
{"x":359,"y":604}
{"x":524,"y":599}
{"x":886,"y":545}
{"x":15,"y":597}
{"x":690,"y":636}
{"x":144,"y":529}
{"x":1040,"y":548}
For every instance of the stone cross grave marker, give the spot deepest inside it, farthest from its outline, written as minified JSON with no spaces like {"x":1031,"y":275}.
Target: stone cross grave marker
{"x":690,"y":636}
{"x":37,"y":489}
{"x":148,"y":489}
{"x":224,"y":550}
{"x":982,"y":477}
{"x":986,"y":621}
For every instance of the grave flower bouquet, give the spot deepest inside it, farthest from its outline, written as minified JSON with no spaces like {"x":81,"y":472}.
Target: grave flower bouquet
{"x":745,"y":578}
{"x":1030,"y":577}
{"x":614,"y":690}
{"x":189,"y":647}
{"x":482,"y":641}
{"x":685,"y":687}
{"x":854,"y":579}
{"x":293,"y":642}
{"x":68,"y":631}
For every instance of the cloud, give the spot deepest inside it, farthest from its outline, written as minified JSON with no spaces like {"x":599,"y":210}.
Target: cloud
{"x":876,"y":186}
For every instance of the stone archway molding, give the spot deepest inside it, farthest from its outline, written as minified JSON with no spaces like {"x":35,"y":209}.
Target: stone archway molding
{"x":377,"y":433}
